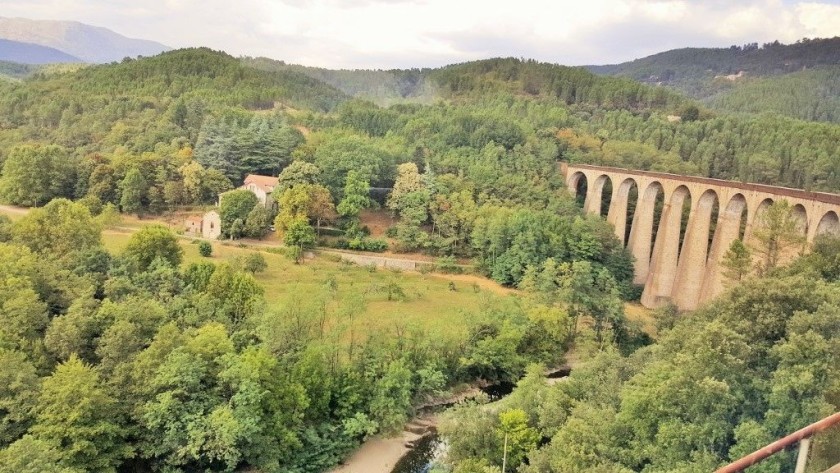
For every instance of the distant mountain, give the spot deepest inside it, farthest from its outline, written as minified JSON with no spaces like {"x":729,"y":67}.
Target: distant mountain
{"x":85,"y":42}
{"x":28,"y":53}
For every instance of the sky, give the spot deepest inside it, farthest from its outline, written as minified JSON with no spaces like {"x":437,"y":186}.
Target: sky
{"x":386,"y":34}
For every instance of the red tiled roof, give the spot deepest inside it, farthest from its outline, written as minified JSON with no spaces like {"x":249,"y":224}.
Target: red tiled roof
{"x":264,"y":181}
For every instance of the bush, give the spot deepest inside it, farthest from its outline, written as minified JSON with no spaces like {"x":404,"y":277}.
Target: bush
{"x":205,"y":249}
{"x":368,"y":244}
{"x":294,"y":253}
{"x":326,"y":231}
{"x":255,"y":263}
{"x":448,"y":264}
{"x":361,"y":244}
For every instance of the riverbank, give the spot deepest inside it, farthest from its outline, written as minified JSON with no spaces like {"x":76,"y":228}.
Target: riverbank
{"x":381,"y":454}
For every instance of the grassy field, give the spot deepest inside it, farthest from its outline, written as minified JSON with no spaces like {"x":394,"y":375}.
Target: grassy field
{"x":429,"y":302}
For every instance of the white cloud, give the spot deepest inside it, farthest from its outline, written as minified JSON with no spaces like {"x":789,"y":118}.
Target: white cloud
{"x":406,"y":33}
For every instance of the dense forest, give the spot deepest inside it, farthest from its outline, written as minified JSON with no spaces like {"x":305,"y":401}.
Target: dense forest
{"x":684,"y":67}
{"x":812,"y":94}
{"x":753,"y":366}
{"x":137,"y":360}
{"x":798,"y":80}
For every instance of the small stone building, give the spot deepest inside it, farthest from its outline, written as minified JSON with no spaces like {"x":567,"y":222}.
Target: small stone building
{"x":211,"y":225}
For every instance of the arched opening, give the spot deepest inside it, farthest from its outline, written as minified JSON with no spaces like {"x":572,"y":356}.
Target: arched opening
{"x":744,"y":218}
{"x":644,"y":227}
{"x":762,"y":207}
{"x":829,"y":224}
{"x":629,"y":186}
{"x":682,"y":198}
{"x":579,"y":187}
{"x":656,"y":194}
{"x":710,"y":199}
{"x":800,"y":218}
{"x":606,"y":194}
{"x":756,"y":219}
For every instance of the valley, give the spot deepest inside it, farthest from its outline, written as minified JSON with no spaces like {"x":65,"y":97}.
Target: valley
{"x":219,"y":262}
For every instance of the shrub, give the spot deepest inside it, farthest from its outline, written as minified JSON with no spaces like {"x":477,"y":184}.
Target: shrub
{"x":205,"y":249}
{"x":294,"y":253}
{"x":326,"y":231}
{"x":255,"y":263}
{"x":448,"y":264}
{"x":361,"y":244}
{"x":368,"y":244}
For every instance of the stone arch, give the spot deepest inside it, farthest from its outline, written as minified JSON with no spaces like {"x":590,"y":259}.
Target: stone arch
{"x":755,"y":216}
{"x":762,"y":207}
{"x":738,"y":209}
{"x":800,"y":216}
{"x":730,"y":227}
{"x":644,"y":227}
{"x":695,"y":249}
{"x":578,"y":187}
{"x":622,"y":207}
{"x":597,"y":200}
{"x":711,"y":199}
{"x":735,"y":212}
{"x":829,"y":224}
{"x":681,"y":201}
{"x":666,"y":250}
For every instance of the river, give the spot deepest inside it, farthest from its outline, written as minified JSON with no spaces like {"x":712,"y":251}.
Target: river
{"x":417,"y":453}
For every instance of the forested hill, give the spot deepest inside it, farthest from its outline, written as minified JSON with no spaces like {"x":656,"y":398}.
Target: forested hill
{"x":571,"y":85}
{"x":798,"y":80}
{"x":812,"y":94}
{"x":138,"y":103}
{"x":380,"y":86}
{"x":15,"y":70}
{"x":201,"y":99}
{"x":679,"y":67}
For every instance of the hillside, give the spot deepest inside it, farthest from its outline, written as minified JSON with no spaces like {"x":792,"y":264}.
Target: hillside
{"x":381,"y":87}
{"x":27,"y":53}
{"x":88,"y":43}
{"x":14,"y":70}
{"x":796,"y":80}
{"x":683,"y":68}
{"x":812,"y":94}
{"x":85,"y":109}
{"x":571,"y":85}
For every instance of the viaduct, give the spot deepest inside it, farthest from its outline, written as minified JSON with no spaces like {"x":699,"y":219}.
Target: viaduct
{"x":711,"y":213}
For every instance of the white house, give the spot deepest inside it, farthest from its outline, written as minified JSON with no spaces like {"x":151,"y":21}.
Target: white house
{"x":260,"y":186}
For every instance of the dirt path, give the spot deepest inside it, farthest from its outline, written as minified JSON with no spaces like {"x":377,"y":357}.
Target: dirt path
{"x":12,"y":210}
